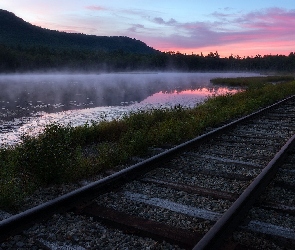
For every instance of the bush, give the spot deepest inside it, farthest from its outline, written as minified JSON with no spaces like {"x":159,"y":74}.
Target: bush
{"x":60,"y":153}
{"x":51,"y":157}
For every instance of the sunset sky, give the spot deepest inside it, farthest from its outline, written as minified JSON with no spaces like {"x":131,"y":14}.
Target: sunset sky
{"x":244,"y":28}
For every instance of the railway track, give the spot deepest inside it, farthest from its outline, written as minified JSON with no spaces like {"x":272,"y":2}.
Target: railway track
{"x":212,"y":192}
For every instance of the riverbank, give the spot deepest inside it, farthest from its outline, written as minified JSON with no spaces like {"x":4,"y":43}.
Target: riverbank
{"x":63,"y":154}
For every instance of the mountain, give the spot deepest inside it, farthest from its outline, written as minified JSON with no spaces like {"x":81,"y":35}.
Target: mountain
{"x":14,"y":31}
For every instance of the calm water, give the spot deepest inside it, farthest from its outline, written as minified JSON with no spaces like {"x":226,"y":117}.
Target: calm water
{"x":29,"y":102}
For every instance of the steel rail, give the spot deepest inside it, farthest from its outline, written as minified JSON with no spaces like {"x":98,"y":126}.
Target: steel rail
{"x":221,"y":230}
{"x":23,"y":220}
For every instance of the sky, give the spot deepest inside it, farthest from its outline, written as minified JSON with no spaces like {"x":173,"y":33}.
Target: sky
{"x":230,"y":27}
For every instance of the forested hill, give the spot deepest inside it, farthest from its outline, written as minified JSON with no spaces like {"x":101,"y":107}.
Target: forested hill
{"x":14,"y":31}
{"x":25,"y":48}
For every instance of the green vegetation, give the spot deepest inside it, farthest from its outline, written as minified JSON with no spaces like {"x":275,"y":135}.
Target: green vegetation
{"x":25,"y":47}
{"x":15,"y":32}
{"x":42,"y":58}
{"x":251,"y":81}
{"x":67,"y":154}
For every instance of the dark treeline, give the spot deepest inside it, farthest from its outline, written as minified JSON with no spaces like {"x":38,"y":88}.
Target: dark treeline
{"x":38,"y":58}
{"x":26,"y":47}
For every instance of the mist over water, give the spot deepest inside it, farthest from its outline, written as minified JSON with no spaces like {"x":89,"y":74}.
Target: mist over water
{"x":30,"y":101}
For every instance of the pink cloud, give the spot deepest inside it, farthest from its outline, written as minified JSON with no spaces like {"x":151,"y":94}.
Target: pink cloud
{"x":272,"y":22}
{"x":260,"y":32}
{"x":268,"y":31}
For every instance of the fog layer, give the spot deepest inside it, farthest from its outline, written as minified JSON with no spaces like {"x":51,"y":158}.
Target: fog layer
{"x":29,"y":93}
{"x":30,"y":101}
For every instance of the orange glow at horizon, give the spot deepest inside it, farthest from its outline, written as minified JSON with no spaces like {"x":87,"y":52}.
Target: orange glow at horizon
{"x":241,"y":49}
{"x":250,"y":49}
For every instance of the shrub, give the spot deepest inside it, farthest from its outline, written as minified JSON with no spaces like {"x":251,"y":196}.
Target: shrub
{"x":60,"y":153}
{"x":51,"y":156}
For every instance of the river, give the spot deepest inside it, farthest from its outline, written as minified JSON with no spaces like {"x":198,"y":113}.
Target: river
{"x":30,"y":101}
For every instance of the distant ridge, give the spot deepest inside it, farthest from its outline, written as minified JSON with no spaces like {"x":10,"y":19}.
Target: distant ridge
{"x":14,"y":31}
{"x":27,"y":48}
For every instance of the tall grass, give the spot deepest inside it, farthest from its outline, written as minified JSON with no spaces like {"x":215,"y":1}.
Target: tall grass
{"x":66,"y":154}
{"x":255,"y":81}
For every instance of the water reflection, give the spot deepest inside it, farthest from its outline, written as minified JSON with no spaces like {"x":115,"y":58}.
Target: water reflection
{"x":29,"y":102}
{"x":186,"y":98}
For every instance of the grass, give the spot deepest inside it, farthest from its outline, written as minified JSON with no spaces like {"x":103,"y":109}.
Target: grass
{"x":252,"y":82}
{"x":67,"y":154}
